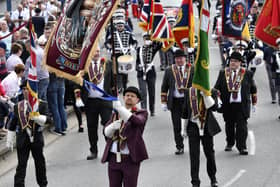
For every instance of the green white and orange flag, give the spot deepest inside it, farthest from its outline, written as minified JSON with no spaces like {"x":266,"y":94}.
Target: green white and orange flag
{"x":201,"y":71}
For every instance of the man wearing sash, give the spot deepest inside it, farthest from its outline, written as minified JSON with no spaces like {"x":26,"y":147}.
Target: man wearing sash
{"x":199,"y":123}
{"x":125,"y":148}
{"x":146,"y":73}
{"x":238,"y":92}
{"x":29,"y":138}
{"x":275,"y":68}
{"x":123,"y":41}
{"x":177,"y":78}
{"x":100,"y":73}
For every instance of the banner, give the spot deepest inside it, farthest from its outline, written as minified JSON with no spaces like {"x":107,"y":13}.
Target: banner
{"x":268,"y":23}
{"x":72,"y":43}
{"x":161,"y":30}
{"x":201,"y":71}
{"x":184,"y":27}
{"x":234,"y":17}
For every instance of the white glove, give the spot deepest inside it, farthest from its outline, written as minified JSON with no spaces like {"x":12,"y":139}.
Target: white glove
{"x":10,"y":139}
{"x":79,"y":103}
{"x":3,"y":99}
{"x":164,"y":107}
{"x":124,"y":113}
{"x":254,"y":108}
{"x":219,"y":102}
{"x":208,"y":100}
{"x":40,"y":119}
{"x":110,"y":129}
{"x":184,"y":127}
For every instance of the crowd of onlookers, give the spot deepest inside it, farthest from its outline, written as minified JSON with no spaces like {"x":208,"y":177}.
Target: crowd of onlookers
{"x":15,"y":60}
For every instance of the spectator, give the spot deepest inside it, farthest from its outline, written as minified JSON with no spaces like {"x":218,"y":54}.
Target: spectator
{"x":12,"y":81}
{"x":38,"y":22}
{"x":10,"y":23}
{"x":19,"y":15}
{"x":16,"y":36}
{"x":14,"y":59}
{"x":3,"y":32}
{"x":3,"y":68}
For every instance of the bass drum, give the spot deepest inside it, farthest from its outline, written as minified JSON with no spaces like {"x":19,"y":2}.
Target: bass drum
{"x":125,"y":63}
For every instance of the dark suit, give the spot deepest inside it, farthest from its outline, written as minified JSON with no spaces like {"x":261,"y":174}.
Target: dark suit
{"x":211,"y":128}
{"x":24,"y":147}
{"x":127,"y":170}
{"x":174,"y":104}
{"x":96,"y":106}
{"x":236,"y":114}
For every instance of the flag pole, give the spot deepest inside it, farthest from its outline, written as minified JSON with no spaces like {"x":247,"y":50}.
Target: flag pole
{"x":115,"y":74}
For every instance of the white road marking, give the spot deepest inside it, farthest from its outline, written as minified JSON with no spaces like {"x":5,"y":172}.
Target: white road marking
{"x":252,"y":148}
{"x":235,"y":178}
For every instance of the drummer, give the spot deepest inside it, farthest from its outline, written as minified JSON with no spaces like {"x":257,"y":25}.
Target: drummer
{"x":123,"y":41}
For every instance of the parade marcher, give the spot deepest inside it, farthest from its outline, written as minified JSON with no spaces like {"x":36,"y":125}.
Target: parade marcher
{"x":29,"y":138}
{"x":189,"y":51}
{"x":3,"y":67}
{"x":177,"y":78}
{"x":275,"y":68}
{"x":237,"y":87}
{"x":167,"y":57}
{"x":134,"y":8}
{"x":123,"y":41}
{"x":100,"y":73}
{"x":199,"y":123}
{"x":70,"y":99}
{"x":268,"y":52}
{"x":146,"y":73}
{"x":125,"y":148}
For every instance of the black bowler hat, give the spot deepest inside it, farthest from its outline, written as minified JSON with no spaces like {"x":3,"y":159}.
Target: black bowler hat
{"x":237,"y":56}
{"x":133,"y":89}
{"x":179,"y":53}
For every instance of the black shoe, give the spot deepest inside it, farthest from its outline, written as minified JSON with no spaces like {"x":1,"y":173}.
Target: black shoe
{"x":228,"y":148}
{"x":152,"y":114}
{"x":81,"y":129}
{"x":195,"y":185}
{"x":243,"y":152}
{"x":179,"y":151}
{"x":214,"y":184}
{"x":92,"y":156}
{"x":273,"y":102}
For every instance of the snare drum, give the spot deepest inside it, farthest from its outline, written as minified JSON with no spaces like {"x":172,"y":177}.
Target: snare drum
{"x":125,"y":63}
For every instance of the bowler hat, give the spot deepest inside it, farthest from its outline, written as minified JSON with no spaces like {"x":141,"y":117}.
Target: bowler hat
{"x":3,"y":45}
{"x":237,"y":56}
{"x":179,"y":53}
{"x":133,"y":89}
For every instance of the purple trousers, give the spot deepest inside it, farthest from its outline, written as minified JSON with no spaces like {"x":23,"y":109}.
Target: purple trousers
{"x":126,"y":172}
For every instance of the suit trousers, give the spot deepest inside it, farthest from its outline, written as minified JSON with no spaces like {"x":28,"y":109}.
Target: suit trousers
{"x":143,"y":85}
{"x":94,"y":108}
{"x":236,"y":127}
{"x":194,"y":148}
{"x":126,"y":172}
{"x":24,"y":146}
{"x":176,"y":114}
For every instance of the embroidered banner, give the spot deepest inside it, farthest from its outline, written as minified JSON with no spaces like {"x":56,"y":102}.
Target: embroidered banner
{"x":234,"y":17}
{"x":72,"y":43}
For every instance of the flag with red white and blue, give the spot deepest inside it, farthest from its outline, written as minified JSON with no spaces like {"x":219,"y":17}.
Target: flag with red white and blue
{"x":32,"y":80}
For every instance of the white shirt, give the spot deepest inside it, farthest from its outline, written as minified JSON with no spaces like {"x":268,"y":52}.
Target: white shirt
{"x":11,"y":84}
{"x":238,"y":99}
{"x":176,"y":92}
{"x":16,"y":14}
{"x":12,"y":61}
{"x":114,"y":148}
{"x":7,"y":41}
{"x":93,"y":93}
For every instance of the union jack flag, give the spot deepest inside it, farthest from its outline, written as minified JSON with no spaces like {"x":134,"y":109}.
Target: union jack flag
{"x":32,"y":81}
{"x":145,"y":17}
{"x":161,"y":30}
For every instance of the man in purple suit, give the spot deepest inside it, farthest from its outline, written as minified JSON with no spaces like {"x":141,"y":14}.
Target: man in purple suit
{"x":125,"y":148}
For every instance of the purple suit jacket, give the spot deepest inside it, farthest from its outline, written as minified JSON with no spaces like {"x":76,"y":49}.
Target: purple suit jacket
{"x":133,"y":131}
